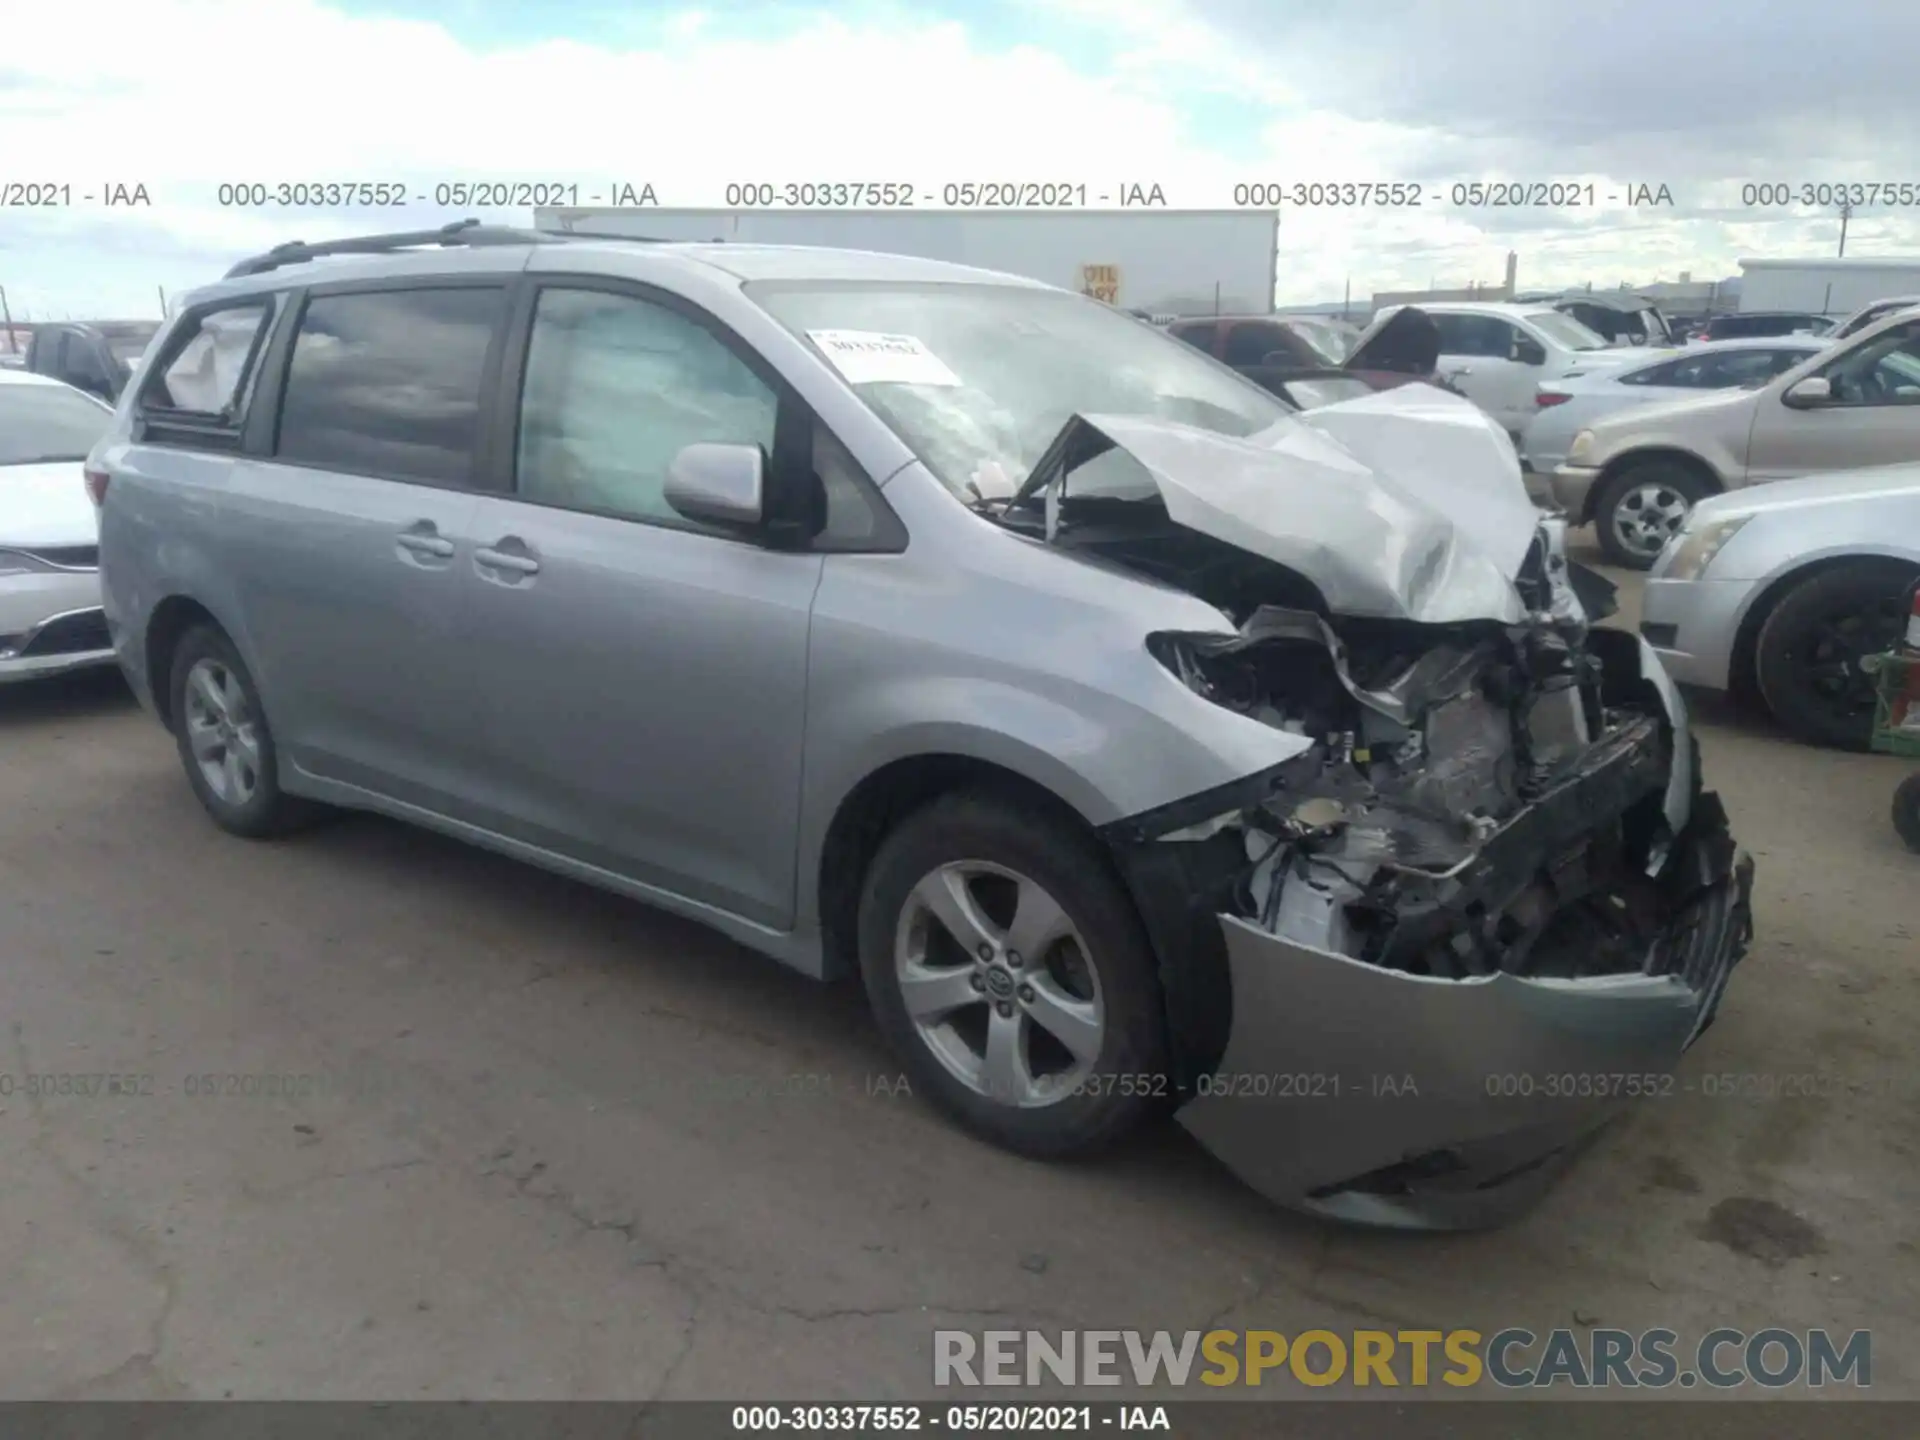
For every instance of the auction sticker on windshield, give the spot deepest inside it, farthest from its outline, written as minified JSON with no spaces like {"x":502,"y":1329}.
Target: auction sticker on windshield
{"x":866,"y":357}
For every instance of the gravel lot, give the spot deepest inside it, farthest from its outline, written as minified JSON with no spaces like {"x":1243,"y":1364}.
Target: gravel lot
{"x":563,"y":1146}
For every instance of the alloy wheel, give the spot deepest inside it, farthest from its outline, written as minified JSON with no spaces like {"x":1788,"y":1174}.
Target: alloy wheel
{"x":998,"y":984}
{"x":222,"y":733}
{"x":1647,"y":516}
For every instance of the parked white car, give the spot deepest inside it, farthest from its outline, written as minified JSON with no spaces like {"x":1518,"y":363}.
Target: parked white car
{"x":1497,"y":354}
{"x":1867,"y":314}
{"x":50,"y":616}
{"x":1566,"y":406}
{"x":1636,"y":474}
{"x":1783,"y":590}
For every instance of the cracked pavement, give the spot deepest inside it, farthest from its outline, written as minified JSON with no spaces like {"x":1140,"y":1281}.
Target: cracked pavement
{"x":554,"y":1145}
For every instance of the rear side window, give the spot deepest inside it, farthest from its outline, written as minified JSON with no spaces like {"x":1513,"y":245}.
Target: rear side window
{"x":1198,"y":334}
{"x":1250,"y":343}
{"x":388,"y":382}
{"x":1667,"y":374}
{"x":206,"y":363}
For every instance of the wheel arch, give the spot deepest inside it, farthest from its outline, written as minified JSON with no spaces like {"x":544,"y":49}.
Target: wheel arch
{"x":1743,"y":678}
{"x":876,"y":804}
{"x":167,"y":625}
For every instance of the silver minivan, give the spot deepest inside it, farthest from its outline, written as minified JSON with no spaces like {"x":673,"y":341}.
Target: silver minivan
{"x":1144,"y":744}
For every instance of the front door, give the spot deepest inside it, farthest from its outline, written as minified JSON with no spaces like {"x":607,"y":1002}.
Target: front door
{"x":1476,"y":356}
{"x":1873,"y":417}
{"x":643,"y":680}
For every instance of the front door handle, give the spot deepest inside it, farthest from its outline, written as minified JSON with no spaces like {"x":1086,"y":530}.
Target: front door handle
{"x":513,"y":561}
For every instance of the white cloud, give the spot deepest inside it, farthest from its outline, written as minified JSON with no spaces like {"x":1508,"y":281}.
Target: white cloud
{"x":184,"y":95}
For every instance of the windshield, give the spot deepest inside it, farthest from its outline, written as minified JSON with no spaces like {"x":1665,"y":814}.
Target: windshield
{"x":47,"y":422}
{"x":1565,"y":331}
{"x":978,"y":379}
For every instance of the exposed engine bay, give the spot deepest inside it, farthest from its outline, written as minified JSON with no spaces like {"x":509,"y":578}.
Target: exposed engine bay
{"x":1477,"y":797}
{"x":1481,"y":801}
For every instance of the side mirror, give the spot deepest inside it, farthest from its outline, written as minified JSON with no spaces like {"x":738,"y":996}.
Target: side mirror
{"x":721,"y":485}
{"x":1810,"y":393}
{"x":1529,"y":352}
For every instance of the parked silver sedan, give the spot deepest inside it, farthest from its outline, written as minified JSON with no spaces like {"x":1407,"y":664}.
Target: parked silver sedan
{"x":1566,"y":407}
{"x":1851,"y":405}
{"x":50,"y":617}
{"x":1783,"y":590}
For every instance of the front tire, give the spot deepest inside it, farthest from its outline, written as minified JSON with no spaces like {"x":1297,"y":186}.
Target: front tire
{"x":1009,"y":971}
{"x":224,"y":741}
{"x":1644,"y":506}
{"x":1807,"y":657}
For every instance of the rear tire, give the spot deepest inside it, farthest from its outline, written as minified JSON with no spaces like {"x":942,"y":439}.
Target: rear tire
{"x":225,"y":743}
{"x":1639,"y":509}
{"x":1807,"y":656}
{"x":1008,"y":873}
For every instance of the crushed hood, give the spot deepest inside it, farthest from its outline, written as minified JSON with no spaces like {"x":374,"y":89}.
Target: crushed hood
{"x":1406,"y":504}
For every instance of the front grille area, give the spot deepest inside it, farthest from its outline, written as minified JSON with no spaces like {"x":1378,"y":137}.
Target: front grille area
{"x":69,"y":635}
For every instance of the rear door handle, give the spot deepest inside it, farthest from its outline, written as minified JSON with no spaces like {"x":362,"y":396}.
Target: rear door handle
{"x":430,"y":545}
{"x":508,"y":560}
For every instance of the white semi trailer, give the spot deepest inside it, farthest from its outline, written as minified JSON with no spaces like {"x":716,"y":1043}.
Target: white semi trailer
{"x":1163,"y":262}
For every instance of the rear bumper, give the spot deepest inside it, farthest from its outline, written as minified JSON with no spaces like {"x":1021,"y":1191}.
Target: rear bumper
{"x":1368,"y":1095}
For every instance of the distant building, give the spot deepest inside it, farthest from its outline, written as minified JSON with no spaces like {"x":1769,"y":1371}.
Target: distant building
{"x":1834,"y":286}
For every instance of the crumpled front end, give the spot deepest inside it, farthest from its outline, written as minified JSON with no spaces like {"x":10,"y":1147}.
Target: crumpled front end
{"x":1410,"y":972}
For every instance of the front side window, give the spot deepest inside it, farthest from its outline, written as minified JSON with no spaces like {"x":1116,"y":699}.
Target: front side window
{"x":615,"y":388}
{"x":1884,"y":371}
{"x":1738,"y":367}
{"x":40,"y":424}
{"x":977,"y":380}
{"x":209,"y":362}
{"x":388,"y":383}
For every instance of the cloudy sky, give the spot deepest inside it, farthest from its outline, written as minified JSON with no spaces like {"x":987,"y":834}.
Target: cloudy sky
{"x":180,"y":96}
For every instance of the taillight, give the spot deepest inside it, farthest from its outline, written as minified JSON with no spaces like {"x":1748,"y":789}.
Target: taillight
{"x":97,"y":486}
{"x":1546,"y":399}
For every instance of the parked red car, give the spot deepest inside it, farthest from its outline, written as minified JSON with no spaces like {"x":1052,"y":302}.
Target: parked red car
{"x":1398,"y":349}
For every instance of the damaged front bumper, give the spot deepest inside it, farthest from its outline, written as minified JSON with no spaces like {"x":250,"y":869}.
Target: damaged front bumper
{"x":1381,"y":1094}
{"x":1370,"y":1095}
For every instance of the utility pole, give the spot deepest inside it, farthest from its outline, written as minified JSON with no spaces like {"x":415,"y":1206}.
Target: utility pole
{"x":1846,"y":214}
{"x":6,"y":314}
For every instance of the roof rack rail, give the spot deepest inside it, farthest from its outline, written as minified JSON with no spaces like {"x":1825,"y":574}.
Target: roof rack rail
{"x":461,"y":232}
{"x":572,"y":234}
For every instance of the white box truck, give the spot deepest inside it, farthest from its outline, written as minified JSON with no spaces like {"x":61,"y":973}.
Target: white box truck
{"x":1161,"y":262}
{"x":1830,"y":287}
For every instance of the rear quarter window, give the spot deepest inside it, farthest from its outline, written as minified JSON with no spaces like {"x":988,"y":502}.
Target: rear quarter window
{"x":208,"y":363}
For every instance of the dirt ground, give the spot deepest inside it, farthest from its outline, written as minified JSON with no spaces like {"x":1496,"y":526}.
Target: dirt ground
{"x":559,"y":1145}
